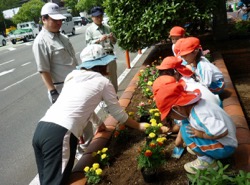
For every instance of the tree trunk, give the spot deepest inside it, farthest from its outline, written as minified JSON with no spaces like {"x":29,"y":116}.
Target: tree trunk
{"x":220,"y":28}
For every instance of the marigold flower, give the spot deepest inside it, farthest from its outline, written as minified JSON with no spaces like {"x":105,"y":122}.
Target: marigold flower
{"x":116,"y":134}
{"x":86,"y":169}
{"x":152,"y":145}
{"x":147,"y":89}
{"x":157,"y":114}
{"x":141,"y":71}
{"x":150,"y":83}
{"x":146,"y":125}
{"x":98,"y":171}
{"x":160,"y":124}
{"x":122,"y":127}
{"x":94,"y":154}
{"x":103,"y":156}
{"x":148,"y":153}
{"x":152,"y":121}
{"x":99,"y":152}
{"x":151,"y":135}
{"x":104,"y":150}
{"x":151,"y":111}
{"x":131,"y":113}
{"x":95,"y":166}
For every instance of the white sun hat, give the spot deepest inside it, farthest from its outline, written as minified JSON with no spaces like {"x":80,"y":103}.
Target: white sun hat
{"x":94,"y":55}
{"x":53,"y":10}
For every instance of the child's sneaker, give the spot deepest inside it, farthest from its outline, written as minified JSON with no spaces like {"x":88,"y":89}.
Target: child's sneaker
{"x":199,"y":165}
{"x":190,"y":151}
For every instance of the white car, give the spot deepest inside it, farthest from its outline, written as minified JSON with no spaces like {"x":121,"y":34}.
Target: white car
{"x":2,"y":41}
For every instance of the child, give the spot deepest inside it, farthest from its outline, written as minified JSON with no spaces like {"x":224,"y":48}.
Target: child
{"x":172,"y":66}
{"x":209,"y":132}
{"x":175,"y":34}
{"x":206,"y":72}
{"x":242,"y":13}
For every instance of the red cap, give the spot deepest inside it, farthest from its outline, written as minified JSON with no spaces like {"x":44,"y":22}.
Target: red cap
{"x":188,"y":45}
{"x":174,"y":94}
{"x":162,"y":80}
{"x":177,"y":31}
{"x":173,"y":62}
{"x":177,"y":46}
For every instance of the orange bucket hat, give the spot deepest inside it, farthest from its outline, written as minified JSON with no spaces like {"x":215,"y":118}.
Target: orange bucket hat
{"x":162,"y":80}
{"x":173,"y":62}
{"x":177,"y":31}
{"x":174,"y":94}
{"x":188,"y":45}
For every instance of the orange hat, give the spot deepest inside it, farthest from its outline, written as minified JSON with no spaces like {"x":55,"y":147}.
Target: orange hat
{"x":174,"y":94}
{"x":177,"y":46}
{"x":188,"y":45}
{"x":173,"y":62}
{"x":162,"y":80}
{"x":177,"y":31}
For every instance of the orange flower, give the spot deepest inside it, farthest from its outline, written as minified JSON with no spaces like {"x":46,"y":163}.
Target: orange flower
{"x":152,"y":145}
{"x":122,"y":127}
{"x":148,"y":153}
{"x":116,"y":134}
{"x":160,"y":143}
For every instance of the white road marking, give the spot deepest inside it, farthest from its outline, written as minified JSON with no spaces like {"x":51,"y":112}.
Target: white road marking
{"x":8,"y":62}
{"x":6,"y":72}
{"x":26,"y":64}
{"x":11,"y":49}
{"x":20,"y":81}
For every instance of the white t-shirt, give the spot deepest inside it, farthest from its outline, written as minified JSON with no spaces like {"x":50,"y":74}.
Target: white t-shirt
{"x":208,"y":73}
{"x":206,"y":94}
{"x":213,"y":120}
{"x":82,"y":92}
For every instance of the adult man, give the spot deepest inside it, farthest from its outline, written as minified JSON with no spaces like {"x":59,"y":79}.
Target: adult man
{"x":54,"y":54}
{"x":98,"y":33}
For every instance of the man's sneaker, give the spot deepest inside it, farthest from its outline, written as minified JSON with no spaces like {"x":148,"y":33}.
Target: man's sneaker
{"x":190,"y":151}
{"x":199,"y":165}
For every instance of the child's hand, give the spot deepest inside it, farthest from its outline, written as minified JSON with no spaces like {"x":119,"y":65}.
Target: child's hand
{"x":193,"y":132}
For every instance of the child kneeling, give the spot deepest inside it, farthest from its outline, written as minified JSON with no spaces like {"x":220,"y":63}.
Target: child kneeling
{"x":207,"y":130}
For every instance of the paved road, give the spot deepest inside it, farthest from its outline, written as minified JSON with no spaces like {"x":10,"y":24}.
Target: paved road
{"x":23,"y":101}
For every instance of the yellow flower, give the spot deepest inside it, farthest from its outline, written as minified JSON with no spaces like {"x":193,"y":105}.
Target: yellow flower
{"x":103,"y":156}
{"x":99,"y":152}
{"x":152,"y":121}
{"x":141,"y":71}
{"x":147,"y":89}
{"x":146,"y":125}
{"x":104,"y":150}
{"x":95,"y":166}
{"x":151,"y":111}
{"x":157,"y":114}
{"x":86,"y":169}
{"x":160,"y":125}
{"x":161,"y":139}
{"x":154,"y":124}
{"x":152,"y":135}
{"x":98,"y":171}
{"x":150,"y":83}
{"x":131,"y":113}
{"x":94,"y":154}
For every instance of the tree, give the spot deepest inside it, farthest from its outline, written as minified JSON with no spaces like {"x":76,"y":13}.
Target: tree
{"x":71,"y":4}
{"x":30,"y":11}
{"x":87,"y":5}
{"x":141,"y":23}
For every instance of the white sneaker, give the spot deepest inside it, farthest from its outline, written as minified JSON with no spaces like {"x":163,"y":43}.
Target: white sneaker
{"x":199,"y":165}
{"x":190,"y":151}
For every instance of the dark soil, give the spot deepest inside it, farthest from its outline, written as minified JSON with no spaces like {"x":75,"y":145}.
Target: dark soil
{"x":123,"y":168}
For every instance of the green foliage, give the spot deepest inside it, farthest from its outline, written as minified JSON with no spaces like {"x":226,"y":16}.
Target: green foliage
{"x":87,"y":5}
{"x":151,"y":154}
{"x":30,"y":11}
{"x":219,"y":177}
{"x":241,"y":27}
{"x":140,"y":23}
{"x":93,"y":174}
{"x":71,"y":4}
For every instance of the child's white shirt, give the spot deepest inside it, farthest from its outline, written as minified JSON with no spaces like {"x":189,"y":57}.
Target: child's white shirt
{"x":213,"y":120}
